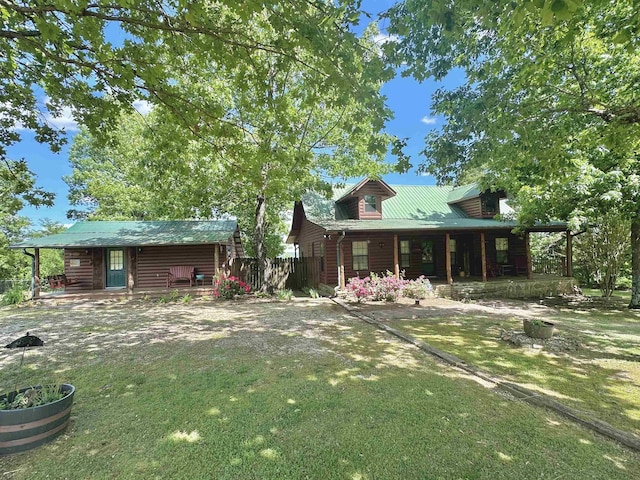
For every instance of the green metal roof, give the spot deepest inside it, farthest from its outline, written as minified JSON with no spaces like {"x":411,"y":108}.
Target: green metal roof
{"x":420,"y":202}
{"x":463,"y":192}
{"x":414,"y":207}
{"x":134,"y":234}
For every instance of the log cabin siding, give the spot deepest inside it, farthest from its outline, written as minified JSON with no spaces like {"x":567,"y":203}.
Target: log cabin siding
{"x":98,"y":268}
{"x":82,"y":276}
{"x":153,"y":263}
{"x":310,"y":239}
{"x":472,"y":207}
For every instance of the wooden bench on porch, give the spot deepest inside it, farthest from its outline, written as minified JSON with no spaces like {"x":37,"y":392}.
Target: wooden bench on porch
{"x":181,"y":272}
{"x":60,"y":281}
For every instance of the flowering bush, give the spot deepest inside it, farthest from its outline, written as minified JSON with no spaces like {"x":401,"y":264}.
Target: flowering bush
{"x":359,"y":287}
{"x":387,"y":287}
{"x":418,"y":289}
{"x":229,"y":287}
{"x":376,"y":287}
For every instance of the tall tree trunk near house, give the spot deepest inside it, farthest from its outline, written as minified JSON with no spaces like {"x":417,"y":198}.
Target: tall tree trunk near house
{"x":635,"y":263}
{"x":264,"y":266}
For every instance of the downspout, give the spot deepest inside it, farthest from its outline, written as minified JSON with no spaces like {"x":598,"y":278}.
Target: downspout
{"x":340,"y":239}
{"x":33,"y":272}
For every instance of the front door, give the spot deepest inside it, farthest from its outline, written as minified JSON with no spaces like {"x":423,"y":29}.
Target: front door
{"x":428,"y":258}
{"x":115,"y":267}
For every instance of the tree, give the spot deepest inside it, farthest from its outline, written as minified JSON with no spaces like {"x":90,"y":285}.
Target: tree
{"x":602,"y":250}
{"x":286,"y":129}
{"x":549,"y":110}
{"x":98,"y":58}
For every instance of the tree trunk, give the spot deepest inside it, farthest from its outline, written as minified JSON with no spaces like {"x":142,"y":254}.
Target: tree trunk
{"x":264,"y":266}
{"x":635,"y":263}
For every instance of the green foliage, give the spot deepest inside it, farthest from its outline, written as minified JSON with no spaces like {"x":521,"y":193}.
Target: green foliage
{"x":549,"y":109}
{"x":32,"y":397}
{"x":186,"y":298}
{"x":603,"y":251}
{"x":229,"y":287}
{"x":13,"y":296}
{"x":285,"y":294}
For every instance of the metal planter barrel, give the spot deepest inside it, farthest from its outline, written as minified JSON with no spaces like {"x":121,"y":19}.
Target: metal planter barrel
{"x":27,"y":428}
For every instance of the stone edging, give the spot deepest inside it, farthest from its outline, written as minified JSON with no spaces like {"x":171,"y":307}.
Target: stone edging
{"x":534,"y":398}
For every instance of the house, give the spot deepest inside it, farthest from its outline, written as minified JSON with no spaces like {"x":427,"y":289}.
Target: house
{"x":138,"y":254}
{"x":441,"y":232}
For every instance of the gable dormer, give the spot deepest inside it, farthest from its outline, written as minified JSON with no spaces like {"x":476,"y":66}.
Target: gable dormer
{"x":474,"y":202}
{"x":364,"y":200}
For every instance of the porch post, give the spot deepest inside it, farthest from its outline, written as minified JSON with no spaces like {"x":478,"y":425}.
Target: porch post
{"x":129,"y":268}
{"x":483,"y":254}
{"x":36,"y":273}
{"x":343,"y":282}
{"x":447,"y":259}
{"x":216,"y":259}
{"x":396,"y":265}
{"x":527,"y":249}
{"x":569,"y":254}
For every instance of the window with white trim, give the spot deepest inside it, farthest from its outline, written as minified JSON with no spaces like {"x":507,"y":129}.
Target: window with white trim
{"x":360,"y":254}
{"x":405,"y":253}
{"x":502,"y":250}
{"x":370,"y":204}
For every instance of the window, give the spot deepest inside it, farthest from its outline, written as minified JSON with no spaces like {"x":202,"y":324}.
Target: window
{"x":452,"y":251}
{"x":370,"y":204}
{"x":490,"y":205}
{"x":360,"y":253}
{"x":116,"y":260}
{"x":405,"y":253}
{"x":74,"y":262}
{"x":502,"y":250}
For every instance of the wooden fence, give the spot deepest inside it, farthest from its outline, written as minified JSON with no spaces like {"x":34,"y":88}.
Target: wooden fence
{"x":293,"y":273}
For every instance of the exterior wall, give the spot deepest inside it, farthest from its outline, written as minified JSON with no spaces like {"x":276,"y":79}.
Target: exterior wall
{"x":310,"y":239}
{"x":381,"y":258}
{"x":154,"y":263}
{"x":472,"y":207}
{"x":82,"y":276}
{"x":148,"y":266}
{"x":355,"y":205}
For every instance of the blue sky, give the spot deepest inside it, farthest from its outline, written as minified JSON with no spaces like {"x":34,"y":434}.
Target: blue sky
{"x":409,"y":100}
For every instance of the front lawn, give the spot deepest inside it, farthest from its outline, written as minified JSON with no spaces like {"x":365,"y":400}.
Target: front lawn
{"x":252,"y":389}
{"x":603,"y":376}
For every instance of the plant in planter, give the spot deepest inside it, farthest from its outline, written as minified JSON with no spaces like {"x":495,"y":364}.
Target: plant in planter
{"x":32,"y":416}
{"x":537,"y":328}
{"x":418,"y":289}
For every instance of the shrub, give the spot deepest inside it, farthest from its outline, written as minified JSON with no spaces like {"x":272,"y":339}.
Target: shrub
{"x":418,"y":289}
{"x":13,"y":296}
{"x":387,"y":287}
{"x":229,"y":287}
{"x":285,"y":294}
{"x":359,"y":287}
{"x":377,"y":287}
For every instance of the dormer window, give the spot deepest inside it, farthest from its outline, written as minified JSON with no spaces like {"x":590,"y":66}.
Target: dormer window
{"x":370,"y":204}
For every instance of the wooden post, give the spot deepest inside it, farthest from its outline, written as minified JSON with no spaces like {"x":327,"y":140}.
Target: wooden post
{"x":343,"y":282}
{"x":396,"y":264}
{"x":447,"y":253}
{"x":569,"y":254}
{"x":483,"y":254}
{"x":36,"y":273}
{"x":527,"y":248}
{"x":130,"y":256}
{"x":216,"y":259}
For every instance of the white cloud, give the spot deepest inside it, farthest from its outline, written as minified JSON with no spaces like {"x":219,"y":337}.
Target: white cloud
{"x":382,"y":38}
{"x":142,"y":106}
{"x":427,"y":120}
{"x":63,"y":120}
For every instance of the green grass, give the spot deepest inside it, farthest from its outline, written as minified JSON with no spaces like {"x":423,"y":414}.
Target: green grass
{"x":602,"y":377}
{"x":279,"y":391}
